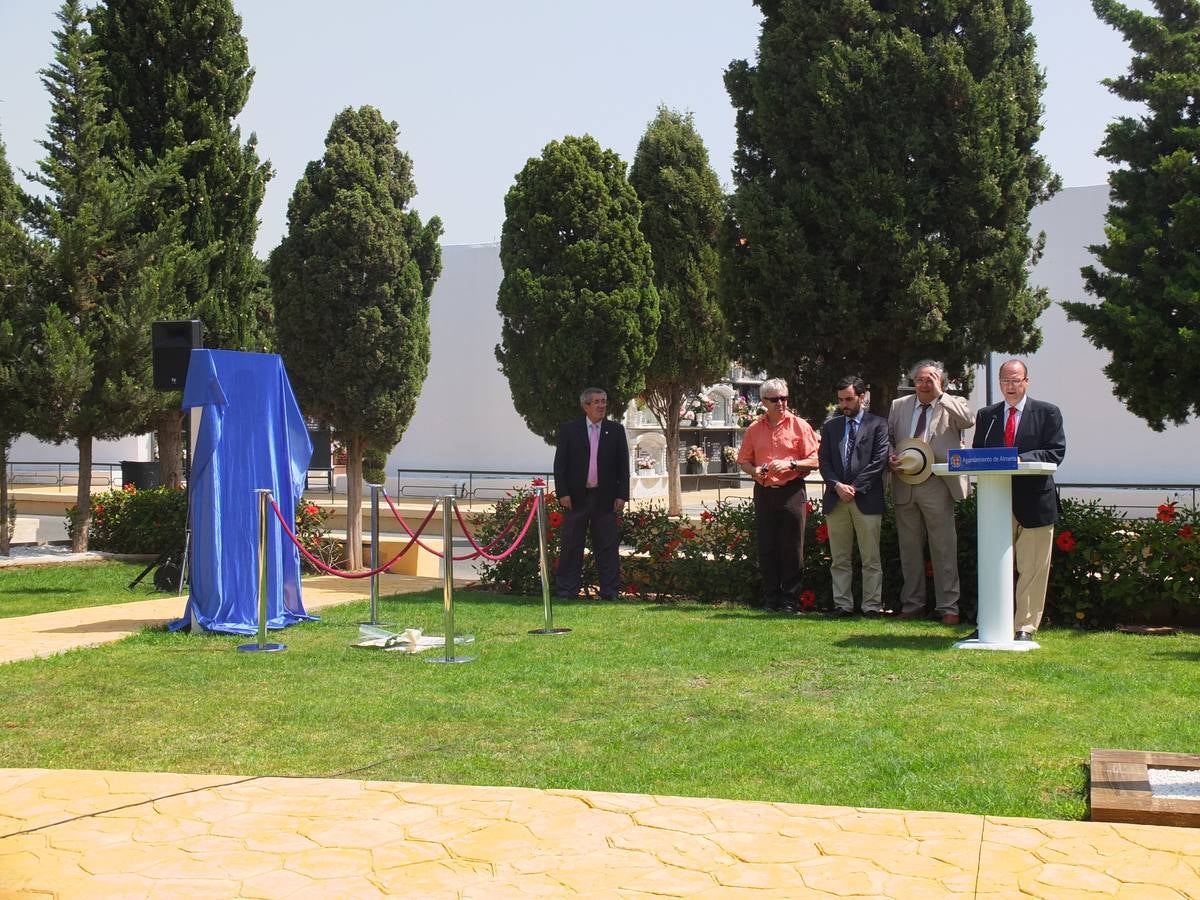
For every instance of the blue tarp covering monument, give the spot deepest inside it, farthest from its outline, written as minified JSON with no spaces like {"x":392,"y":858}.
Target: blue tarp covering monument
{"x":251,"y":436}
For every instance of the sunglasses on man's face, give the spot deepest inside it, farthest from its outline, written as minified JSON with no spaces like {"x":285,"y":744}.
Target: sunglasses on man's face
{"x":776,"y":399}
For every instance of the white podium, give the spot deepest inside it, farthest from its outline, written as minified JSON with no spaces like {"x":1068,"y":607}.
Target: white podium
{"x":995,"y":554}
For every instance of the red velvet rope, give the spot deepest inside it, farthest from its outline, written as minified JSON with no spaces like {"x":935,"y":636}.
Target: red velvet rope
{"x":482,"y":551}
{"x":479,"y":551}
{"x":338,"y":572}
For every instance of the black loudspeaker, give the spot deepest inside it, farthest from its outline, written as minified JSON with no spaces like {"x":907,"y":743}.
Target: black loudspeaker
{"x":322,"y":458}
{"x":173,"y":345}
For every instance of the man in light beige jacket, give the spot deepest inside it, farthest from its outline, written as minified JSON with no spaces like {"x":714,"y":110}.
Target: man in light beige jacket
{"x":927,"y":509}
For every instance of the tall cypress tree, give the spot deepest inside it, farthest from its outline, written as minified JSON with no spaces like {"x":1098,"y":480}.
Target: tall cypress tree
{"x":351,"y":283}
{"x":1148,"y":280}
{"x":577,"y":303}
{"x":17,"y":378}
{"x":178,"y":74}
{"x":682,"y":211}
{"x":885,"y":172}
{"x":103,"y":271}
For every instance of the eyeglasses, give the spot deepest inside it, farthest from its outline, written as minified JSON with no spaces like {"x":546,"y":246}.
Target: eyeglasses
{"x":776,"y":399}
{"x":1012,"y":382}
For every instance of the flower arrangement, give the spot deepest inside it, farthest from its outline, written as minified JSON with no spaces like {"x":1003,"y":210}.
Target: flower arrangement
{"x":696,"y":454}
{"x":694,"y":410}
{"x":644,"y":461}
{"x":747,"y":414}
{"x":729,"y":454}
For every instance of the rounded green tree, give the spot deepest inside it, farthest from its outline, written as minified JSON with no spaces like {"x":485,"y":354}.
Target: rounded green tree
{"x":351,"y":282}
{"x":577,"y":303}
{"x":885,"y":172}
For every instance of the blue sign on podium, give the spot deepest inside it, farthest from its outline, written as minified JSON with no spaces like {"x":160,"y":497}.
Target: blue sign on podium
{"x":982,"y":459}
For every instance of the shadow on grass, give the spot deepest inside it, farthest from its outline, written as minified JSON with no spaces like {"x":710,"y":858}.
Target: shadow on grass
{"x":1177,"y":655}
{"x":899,"y":641}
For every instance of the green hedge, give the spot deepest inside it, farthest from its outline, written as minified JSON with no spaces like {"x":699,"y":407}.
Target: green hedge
{"x":1107,"y":569}
{"x":128,"y":520}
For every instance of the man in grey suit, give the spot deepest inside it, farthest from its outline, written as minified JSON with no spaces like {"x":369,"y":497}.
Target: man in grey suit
{"x":927,"y":509}
{"x":853,"y":454}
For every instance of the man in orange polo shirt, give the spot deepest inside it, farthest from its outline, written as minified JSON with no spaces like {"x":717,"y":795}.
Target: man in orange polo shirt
{"x":778,"y":451}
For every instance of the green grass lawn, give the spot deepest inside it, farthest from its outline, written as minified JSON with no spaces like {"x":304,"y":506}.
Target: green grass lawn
{"x":666,"y":699}
{"x":28,"y":590}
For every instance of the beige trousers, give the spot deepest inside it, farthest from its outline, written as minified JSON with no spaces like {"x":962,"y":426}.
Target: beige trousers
{"x":930,"y":513}
{"x":1032,"y":548}
{"x":845,"y":522}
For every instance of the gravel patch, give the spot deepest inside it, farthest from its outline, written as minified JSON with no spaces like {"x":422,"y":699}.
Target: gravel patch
{"x":1175,"y":784}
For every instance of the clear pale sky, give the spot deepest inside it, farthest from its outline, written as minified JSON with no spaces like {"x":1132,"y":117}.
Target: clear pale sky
{"x":479,"y":86}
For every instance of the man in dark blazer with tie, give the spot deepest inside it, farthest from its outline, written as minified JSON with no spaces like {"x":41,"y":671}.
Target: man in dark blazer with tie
{"x":591,"y":478}
{"x":853,"y":455}
{"x":1035,"y":428}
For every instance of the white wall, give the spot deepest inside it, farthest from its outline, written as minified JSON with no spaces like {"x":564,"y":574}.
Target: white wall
{"x":1105,"y":442}
{"x":465,"y":418}
{"x":134,"y":448}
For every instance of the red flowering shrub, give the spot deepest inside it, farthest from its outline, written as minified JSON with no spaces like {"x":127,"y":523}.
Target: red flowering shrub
{"x":519,"y":573}
{"x":1109,"y":569}
{"x":311,"y":529}
{"x":132,"y":521}
{"x":1106,"y":569}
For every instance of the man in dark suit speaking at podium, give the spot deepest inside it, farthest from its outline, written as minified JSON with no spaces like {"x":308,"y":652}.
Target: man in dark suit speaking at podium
{"x":591,"y":478}
{"x":1035,"y":428}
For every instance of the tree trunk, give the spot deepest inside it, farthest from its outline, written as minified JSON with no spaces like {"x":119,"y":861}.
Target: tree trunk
{"x":168,"y":426}
{"x":354,"y":453}
{"x":83,"y":497}
{"x":5,"y":525}
{"x":884,"y":387}
{"x":664,"y":403}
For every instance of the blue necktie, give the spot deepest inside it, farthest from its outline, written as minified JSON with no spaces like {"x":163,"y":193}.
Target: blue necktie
{"x":852,"y":426}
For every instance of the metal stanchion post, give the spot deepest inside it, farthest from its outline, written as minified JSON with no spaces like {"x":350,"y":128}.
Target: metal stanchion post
{"x":375,"y":489}
{"x":448,"y":584}
{"x":544,"y":566}
{"x":263,"y":496}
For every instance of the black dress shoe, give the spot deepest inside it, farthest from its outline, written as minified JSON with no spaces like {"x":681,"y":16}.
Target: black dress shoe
{"x":1023,"y":636}
{"x":973,"y":636}
{"x":841,"y":614}
{"x":872,"y":614}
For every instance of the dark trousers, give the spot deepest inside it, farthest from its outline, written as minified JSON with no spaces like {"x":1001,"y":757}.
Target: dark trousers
{"x":602,"y":521}
{"x":780,"y":514}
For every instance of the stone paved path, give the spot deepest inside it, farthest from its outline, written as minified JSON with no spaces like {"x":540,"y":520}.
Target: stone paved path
{"x":88,"y":834}
{"x":130,"y":834}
